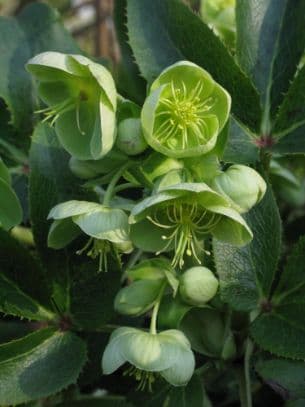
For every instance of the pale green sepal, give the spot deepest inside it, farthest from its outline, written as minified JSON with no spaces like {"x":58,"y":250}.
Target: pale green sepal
{"x":72,"y":208}
{"x":62,"y":232}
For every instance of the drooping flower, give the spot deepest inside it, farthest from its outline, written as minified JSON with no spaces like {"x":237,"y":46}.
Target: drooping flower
{"x":181,"y":216}
{"x":81,"y":96}
{"x":167,"y":353}
{"x":184,"y":111}
{"x":108,"y":229}
{"x":242,"y":185}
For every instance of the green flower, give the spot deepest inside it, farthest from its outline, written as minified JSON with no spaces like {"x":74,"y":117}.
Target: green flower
{"x":184,"y":111}
{"x":10,"y":209}
{"x":180,"y":217}
{"x":242,"y":185}
{"x":108,"y":229}
{"x":167,"y":353}
{"x":148,"y":279}
{"x":198,"y":285}
{"x":81,"y":96}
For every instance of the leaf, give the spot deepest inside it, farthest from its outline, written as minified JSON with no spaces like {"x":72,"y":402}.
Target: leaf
{"x":24,"y":290}
{"x":270,"y":43}
{"x":10,"y":209}
{"x":292,"y":143}
{"x":240,"y":148}
{"x":37,"y":29}
{"x":246,"y":273}
{"x":286,"y":312}
{"x":171,"y":33}
{"x":292,"y":111}
{"x":77,"y":288}
{"x":286,"y":377}
{"x":39,"y":365}
{"x":10,"y":330}
{"x":129,"y":81}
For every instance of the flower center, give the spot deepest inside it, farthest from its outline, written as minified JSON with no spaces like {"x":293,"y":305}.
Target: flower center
{"x":145,"y":379}
{"x":53,"y":113}
{"x":183,"y":116}
{"x":98,"y":248}
{"x":187,"y":224}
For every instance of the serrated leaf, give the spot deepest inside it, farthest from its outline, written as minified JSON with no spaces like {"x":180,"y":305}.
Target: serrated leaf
{"x":36,"y":29}
{"x":171,"y":33}
{"x":270,"y":43}
{"x":24,"y":280}
{"x":281,"y":330}
{"x":240,"y":148}
{"x":129,"y":81}
{"x":286,"y":377}
{"x":246,"y":273}
{"x":39,"y":365}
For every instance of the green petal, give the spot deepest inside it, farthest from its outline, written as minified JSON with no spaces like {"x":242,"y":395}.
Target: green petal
{"x":49,"y":66}
{"x":72,"y":208}
{"x":105,"y":223}
{"x":10,"y":209}
{"x":61,"y":233}
{"x":104,"y":131}
{"x":153,"y":241}
{"x":180,"y":373}
{"x":75,"y":135}
{"x":231,"y":228}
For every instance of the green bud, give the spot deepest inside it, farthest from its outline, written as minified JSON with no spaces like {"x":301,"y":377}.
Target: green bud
{"x":130,"y":138}
{"x":242,"y":185}
{"x":198,"y":285}
{"x":138,"y":297}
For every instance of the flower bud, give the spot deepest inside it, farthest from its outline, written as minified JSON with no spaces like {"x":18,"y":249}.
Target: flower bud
{"x":198,"y":285}
{"x":242,"y":185}
{"x":130,"y":138}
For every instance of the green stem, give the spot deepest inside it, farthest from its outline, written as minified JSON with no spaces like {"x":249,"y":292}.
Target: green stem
{"x":112,"y":184}
{"x":154,"y":315}
{"x":248,"y":354}
{"x":122,"y":187}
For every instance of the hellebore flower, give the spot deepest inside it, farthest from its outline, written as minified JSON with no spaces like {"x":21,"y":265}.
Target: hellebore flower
{"x":198,"y":285}
{"x":242,"y":185}
{"x":108,"y":229}
{"x":184,"y":111}
{"x":167,"y":353}
{"x":148,"y":278}
{"x":81,"y":96}
{"x":10,"y":209}
{"x":179,"y":218}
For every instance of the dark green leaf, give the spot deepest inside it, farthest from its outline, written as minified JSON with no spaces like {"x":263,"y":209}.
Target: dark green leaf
{"x":37,"y":29}
{"x":10,"y":330}
{"x":246,"y":273}
{"x":172,"y":32}
{"x":240,"y":148}
{"x":23,"y":282}
{"x":270,"y":43}
{"x":286,"y":377}
{"x":292,"y":143}
{"x":282,"y":329}
{"x":38,"y":365}
{"x":129,"y":82}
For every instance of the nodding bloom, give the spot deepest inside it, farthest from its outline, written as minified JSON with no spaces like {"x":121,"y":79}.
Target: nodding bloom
{"x":181,"y":216}
{"x":108,"y":229}
{"x":81,"y":99}
{"x":167,"y":354}
{"x":184,"y":111}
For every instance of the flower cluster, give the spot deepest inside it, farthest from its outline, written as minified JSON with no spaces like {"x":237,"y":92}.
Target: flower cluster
{"x":168,"y":152}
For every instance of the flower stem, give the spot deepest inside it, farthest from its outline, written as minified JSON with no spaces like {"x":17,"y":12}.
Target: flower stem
{"x":154,"y":315}
{"x":113,"y":182}
{"x":245,"y":391}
